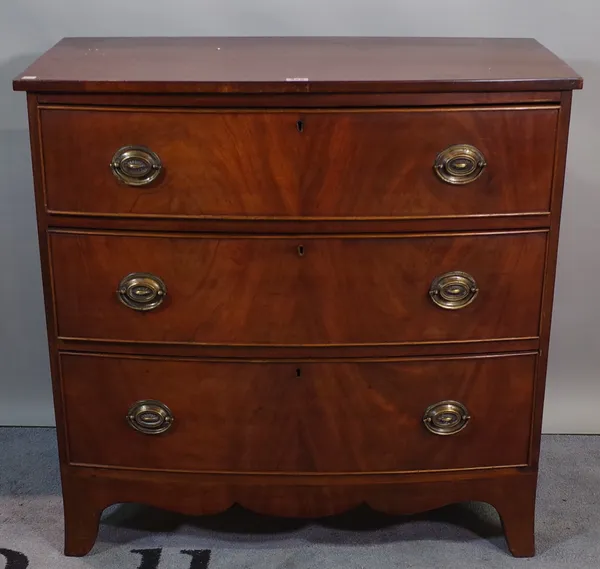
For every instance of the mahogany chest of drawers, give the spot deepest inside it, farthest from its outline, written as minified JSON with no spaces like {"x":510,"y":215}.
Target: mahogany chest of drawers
{"x":298,"y":274}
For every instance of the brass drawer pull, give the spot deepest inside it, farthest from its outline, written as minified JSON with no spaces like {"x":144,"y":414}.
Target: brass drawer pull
{"x":453,"y":290}
{"x":150,"y":417}
{"x":446,"y":418}
{"x":141,"y":291}
{"x":136,"y":165}
{"x":459,"y":164}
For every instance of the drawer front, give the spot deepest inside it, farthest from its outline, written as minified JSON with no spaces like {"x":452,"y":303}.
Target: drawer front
{"x":296,"y":417}
{"x":287,"y":164}
{"x":301,"y":290}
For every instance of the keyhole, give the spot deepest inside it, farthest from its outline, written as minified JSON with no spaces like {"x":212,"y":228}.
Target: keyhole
{"x":300,"y":126}
{"x":298,"y":372}
{"x":300,"y":250}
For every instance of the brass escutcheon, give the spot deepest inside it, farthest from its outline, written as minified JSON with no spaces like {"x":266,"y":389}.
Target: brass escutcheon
{"x":150,"y":417}
{"x":459,"y":164}
{"x":453,"y":290}
{"x":141,"y":291}
{"x":136,"y":165}
{"x":446,"y":418}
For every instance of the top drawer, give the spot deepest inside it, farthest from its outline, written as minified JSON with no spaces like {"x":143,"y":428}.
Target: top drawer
{"x":305,"y":163}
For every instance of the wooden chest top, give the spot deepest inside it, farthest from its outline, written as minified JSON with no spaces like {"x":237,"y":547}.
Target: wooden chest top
{"x":297,"y":65}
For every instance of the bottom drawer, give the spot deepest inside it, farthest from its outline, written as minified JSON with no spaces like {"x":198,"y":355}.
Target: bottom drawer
{"x":313,"y":417}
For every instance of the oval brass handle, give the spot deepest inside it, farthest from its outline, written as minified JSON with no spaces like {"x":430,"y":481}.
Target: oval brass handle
{"x":453,"y":290}
{"x":141,"y":291}
{"x":136,"y":165}
{"x":150,"y":417}
{"x":446,"y":418}
{"x":459,"y":164}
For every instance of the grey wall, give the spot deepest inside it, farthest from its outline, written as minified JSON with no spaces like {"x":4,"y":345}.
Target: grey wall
{"x":28,"y":27}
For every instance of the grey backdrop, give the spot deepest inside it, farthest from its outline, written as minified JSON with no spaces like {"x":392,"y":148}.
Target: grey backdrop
{"x":571,"y":29}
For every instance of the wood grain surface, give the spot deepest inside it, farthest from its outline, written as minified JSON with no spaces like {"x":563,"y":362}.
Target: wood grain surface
{"x":260,"y":291}
{"x":343,"y":164}
{"x":313,"y":417}
{"x":301,"y":64}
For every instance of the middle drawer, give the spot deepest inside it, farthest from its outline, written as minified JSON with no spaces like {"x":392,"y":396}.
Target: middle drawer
{"x":297,"y":290}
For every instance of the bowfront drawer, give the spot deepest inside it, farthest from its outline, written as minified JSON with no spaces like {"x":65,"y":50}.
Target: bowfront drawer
{"x":285,"y":164}
{"x":298,"y":417}
{"x":300,"y":290}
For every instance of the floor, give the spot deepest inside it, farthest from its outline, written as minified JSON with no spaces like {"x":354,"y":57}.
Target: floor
{"x":137,"y":537}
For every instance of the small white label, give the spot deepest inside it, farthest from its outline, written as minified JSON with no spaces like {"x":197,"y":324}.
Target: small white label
{"x":29,"y":77}
{"x":296,"y":78}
